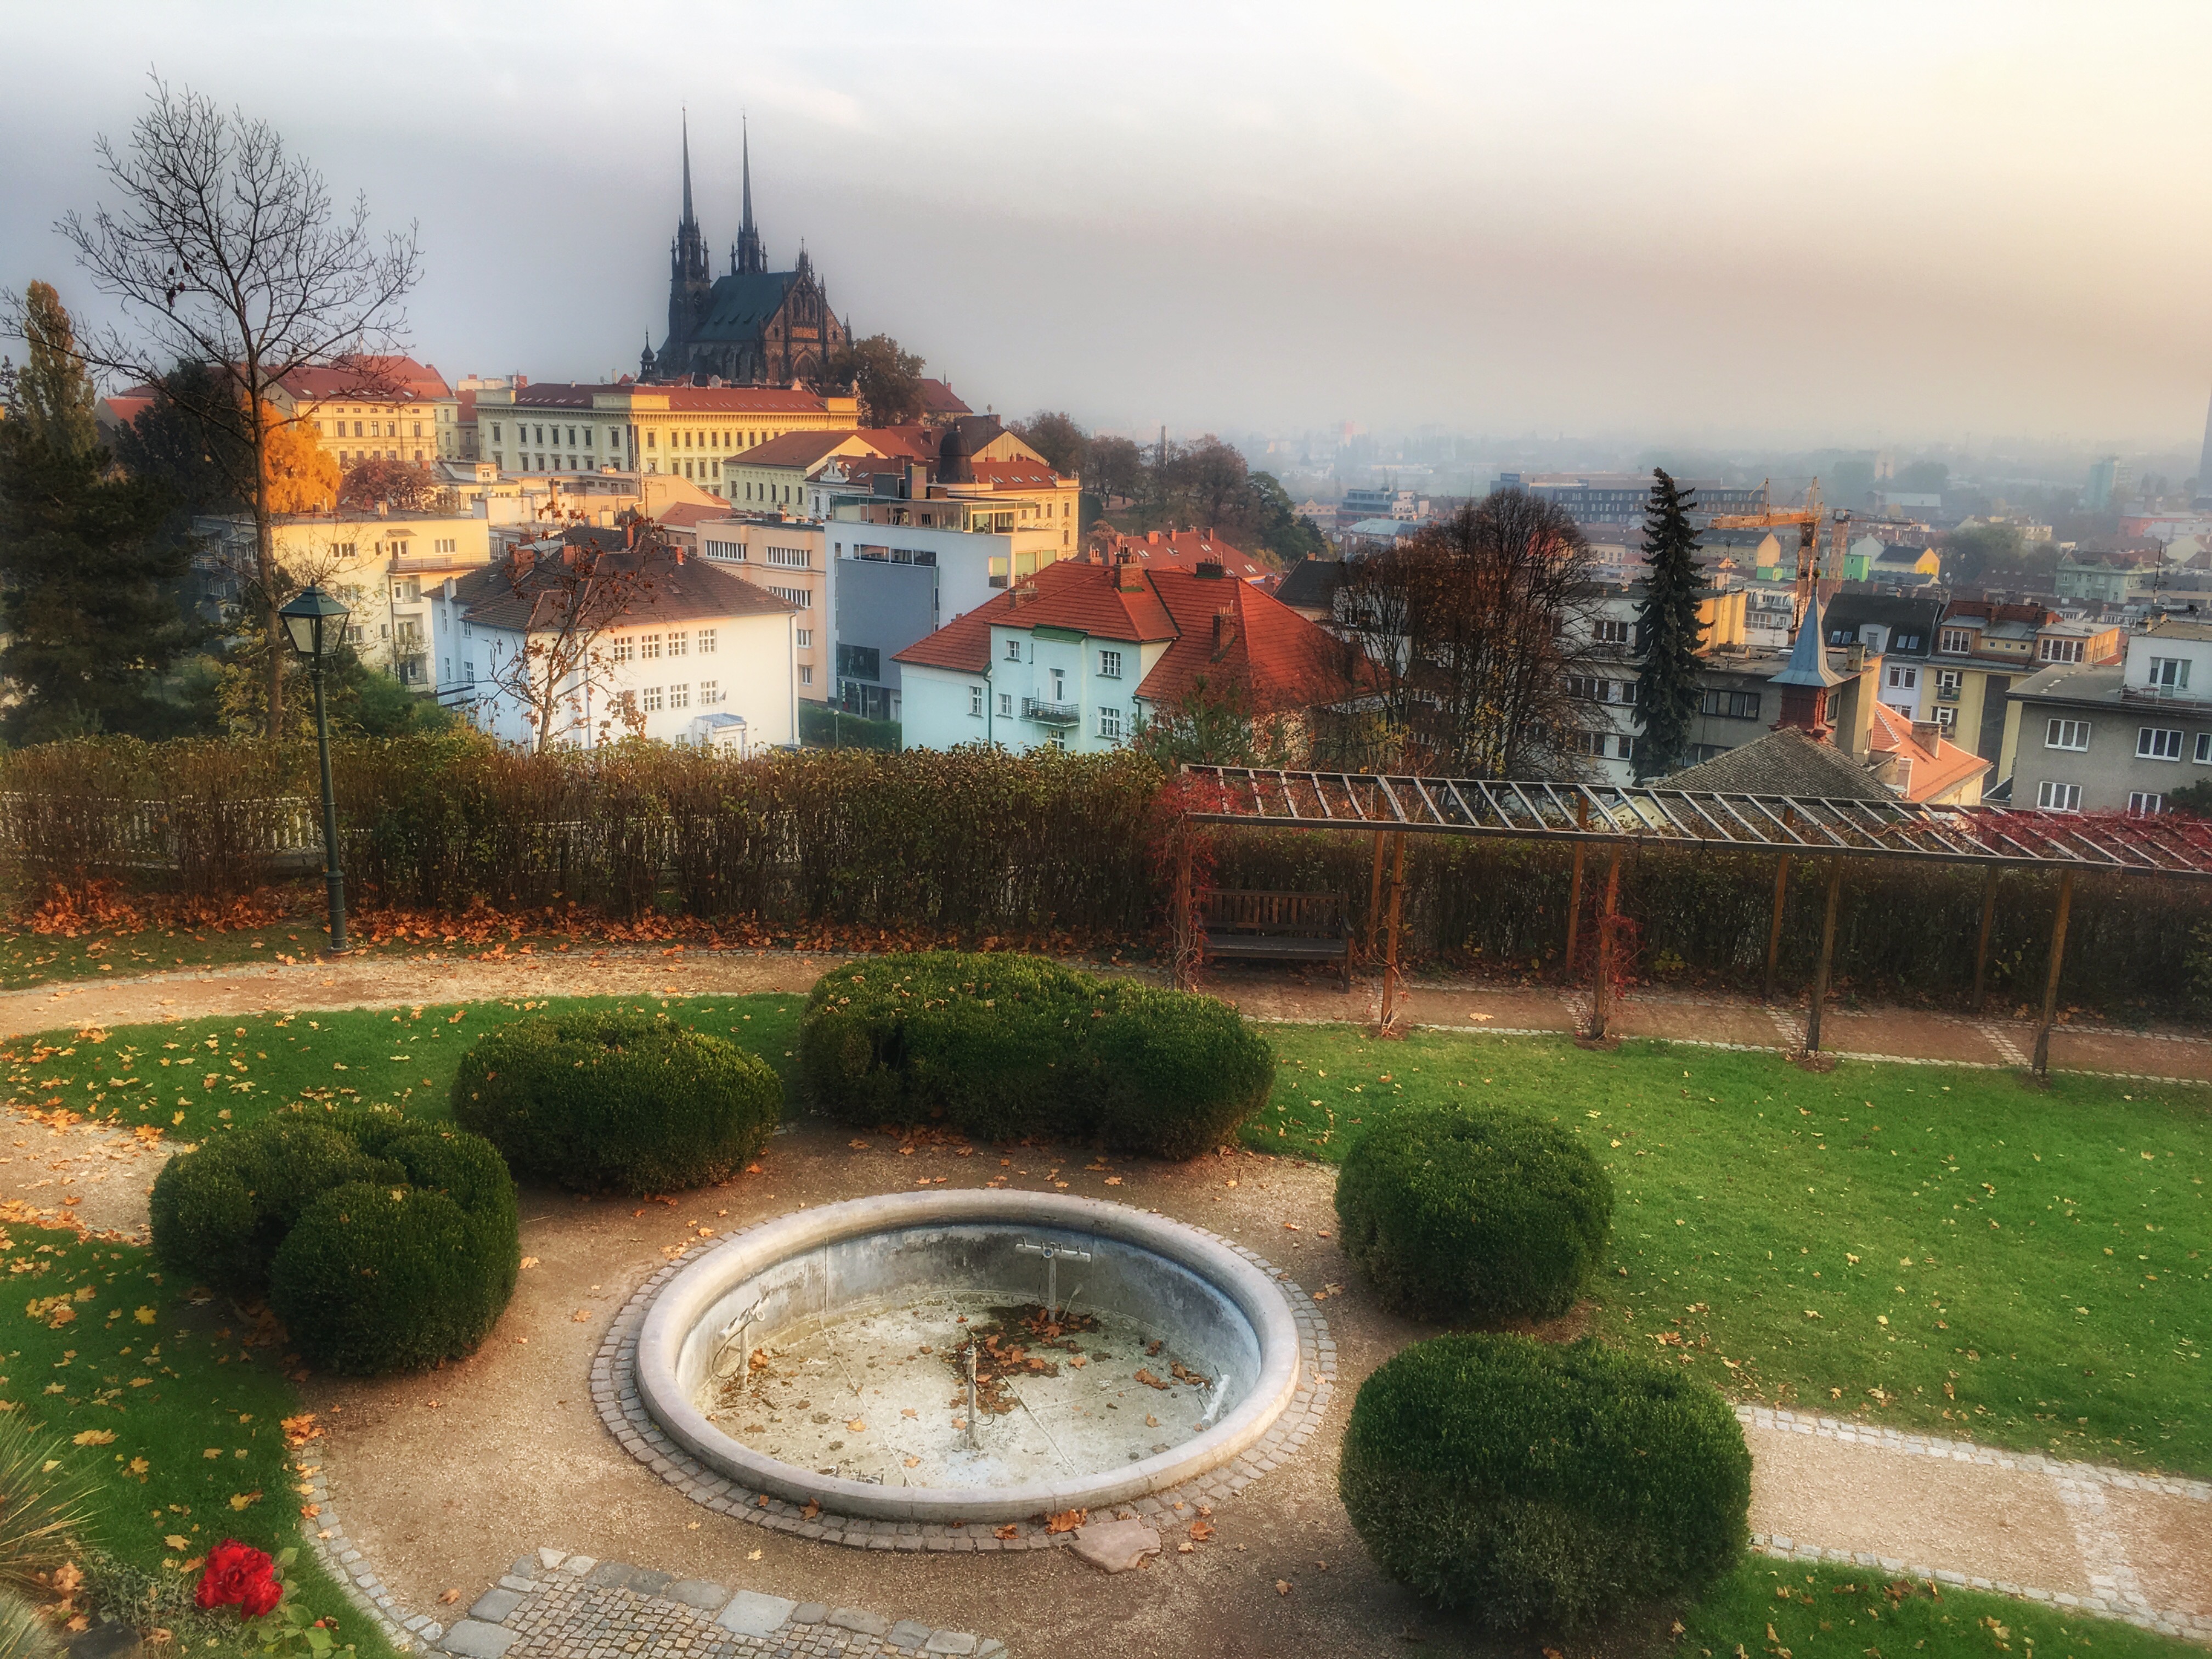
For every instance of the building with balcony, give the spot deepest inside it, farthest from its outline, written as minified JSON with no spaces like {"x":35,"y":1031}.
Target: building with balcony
{"x":790,"y":559}
{"x":1080,"y":656}
{"x":2118,"y":737}
{"x":1983,"y":647}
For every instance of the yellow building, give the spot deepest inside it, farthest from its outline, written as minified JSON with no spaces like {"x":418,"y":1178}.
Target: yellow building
{"x":391,"y":408}
{"x":381,"y":567}
{"x":685,"y":431}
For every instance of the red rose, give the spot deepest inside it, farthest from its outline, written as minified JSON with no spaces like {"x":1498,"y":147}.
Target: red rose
{"x":239,"y":1576}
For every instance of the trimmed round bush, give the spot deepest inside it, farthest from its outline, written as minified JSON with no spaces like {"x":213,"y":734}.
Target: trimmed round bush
{"x":1004,"y":1046}
{"x":383,"y":1242}
{"x":1477,"y":1213}
{"x":617,"y":1102}
{"x":1540,"y":1485}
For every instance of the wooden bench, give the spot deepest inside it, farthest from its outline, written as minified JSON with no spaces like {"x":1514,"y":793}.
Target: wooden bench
{"x":1247,"y":923}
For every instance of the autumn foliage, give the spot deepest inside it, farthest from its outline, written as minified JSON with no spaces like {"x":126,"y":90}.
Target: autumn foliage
{"x":303,"y":476}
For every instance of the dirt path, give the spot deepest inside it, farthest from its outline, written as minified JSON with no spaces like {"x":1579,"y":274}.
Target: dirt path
{"x":445,"y":1478}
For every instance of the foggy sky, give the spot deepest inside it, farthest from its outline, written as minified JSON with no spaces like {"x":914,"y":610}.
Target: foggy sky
{"x":1852,"y":223}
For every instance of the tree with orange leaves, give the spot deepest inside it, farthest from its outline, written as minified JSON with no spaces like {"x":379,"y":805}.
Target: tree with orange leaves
{"x":302,"y":477}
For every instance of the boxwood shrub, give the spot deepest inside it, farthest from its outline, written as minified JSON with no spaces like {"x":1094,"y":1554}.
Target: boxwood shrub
{"x":618,"y":1101}
{"x":1476,"y":1212}
{"x":1004,"y":1046}
{"x":1541,"y":1485}
{"x":383,"y":1242}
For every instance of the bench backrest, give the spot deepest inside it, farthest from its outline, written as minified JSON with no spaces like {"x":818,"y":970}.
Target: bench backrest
{"x":1317,"y":916}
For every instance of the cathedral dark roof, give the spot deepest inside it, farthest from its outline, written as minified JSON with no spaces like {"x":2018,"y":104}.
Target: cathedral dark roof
{"x":740,"y":306}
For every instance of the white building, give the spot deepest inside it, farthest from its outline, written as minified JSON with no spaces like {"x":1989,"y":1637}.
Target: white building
{"x":684,"y":653}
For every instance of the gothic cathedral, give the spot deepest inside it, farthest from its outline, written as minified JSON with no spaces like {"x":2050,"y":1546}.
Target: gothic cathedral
{"x":751,"y":327}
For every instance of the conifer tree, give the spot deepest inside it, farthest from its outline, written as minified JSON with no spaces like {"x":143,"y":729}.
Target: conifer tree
{"x":88,"y":578}
{"x":1666,"y":685}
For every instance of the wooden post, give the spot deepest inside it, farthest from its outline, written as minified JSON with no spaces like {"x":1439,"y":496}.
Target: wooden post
{"x":1391,"y":943}
{"x":1375,"y":896}
{"x":1601,"y":993}
{"x":1774,"y":931}
{"x":1827,"y":956}
{"x":1181,"y":975}
{"x":1989,"y":920}
{"x":2050,"y":979}
{"x":1575,"y":887}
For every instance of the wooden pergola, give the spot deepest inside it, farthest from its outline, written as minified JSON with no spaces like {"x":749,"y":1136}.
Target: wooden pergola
{"x":1614,"y":819}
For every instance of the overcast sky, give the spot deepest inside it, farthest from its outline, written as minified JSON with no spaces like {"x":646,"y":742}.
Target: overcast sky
{"x":1855,"y":223}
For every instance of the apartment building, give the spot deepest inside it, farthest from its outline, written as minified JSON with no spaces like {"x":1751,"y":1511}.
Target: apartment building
{"x":388,"y":408}
{"x":684,"y":431}
{"x":790,"y":560}
{"x":1983,"y":649}
{"x":2118,"y":737}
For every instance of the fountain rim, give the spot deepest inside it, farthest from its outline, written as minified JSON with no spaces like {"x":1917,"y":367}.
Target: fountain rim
{"x":678,"y":1307}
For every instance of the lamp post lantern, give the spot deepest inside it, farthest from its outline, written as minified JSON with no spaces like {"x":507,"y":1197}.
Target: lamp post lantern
{"x":316,"y":622}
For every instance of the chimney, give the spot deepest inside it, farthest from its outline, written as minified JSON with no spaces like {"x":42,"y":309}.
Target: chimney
{"x":1152,"y":537}
{"x":1208,"y":570}
{"x":1225,"y":631}
{"x":1131,"y":579}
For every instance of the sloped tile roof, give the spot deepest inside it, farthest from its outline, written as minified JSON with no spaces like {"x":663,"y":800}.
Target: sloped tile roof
{"x":1185,"y":549}
{"x":509,"y":595}
{"x":795,"y":449}
{"x":1281,"y":659}
{"x":1784,"y":762}
{"x":374,"y":377}
{"x":1935,"y":770}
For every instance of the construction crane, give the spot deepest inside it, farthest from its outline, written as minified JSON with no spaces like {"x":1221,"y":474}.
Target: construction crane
{"x":1807,"y":518}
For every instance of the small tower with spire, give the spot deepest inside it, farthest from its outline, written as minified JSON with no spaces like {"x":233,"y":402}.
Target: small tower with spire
{"x":748,"y":257}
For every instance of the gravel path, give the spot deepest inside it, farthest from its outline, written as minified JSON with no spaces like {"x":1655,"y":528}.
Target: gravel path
{"x":446,"y":1478}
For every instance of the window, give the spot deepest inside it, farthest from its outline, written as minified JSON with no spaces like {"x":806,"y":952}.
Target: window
{"x":805,"y":674}
{"x":2142,"y":806}
{"x":469,"y":670}
{"x":791,"y":558}
{"x":1109,"y":665}
{"x":1109,"y":724}
{"x":652,"y":700}
{"x":976,"y":702}
{"x":648,"y":645}
{"x":2158,"y":743}
{"x":798,"y":596}
{"x":1730,"y":705}
{"x":1947,"y":716}
{"x":678,"y":643}
{"x":706,"y":641}
{"x":679,"y":696}
{"x":446,"y":544}
{"x":1957,"y":640}
{"x":860,"y":662}
{"x":1006,"y":702}
{"x":2058,"y":797}
{"x":1902,"y":679}
{"x":731,"y":552}
{"x":622,"y":647}
{"x":1948,"y":682}
{"x":803,"y":638}
{"x":651,"y":441}
{"x":2066,"y":734}
{"x":1609,"y":633}
{"x":2203,"y":755}
{"x":1013,"y":650}
{"x":2059,"y":650}
{"x":1060,"y":685}
{"x":2169,"y":673}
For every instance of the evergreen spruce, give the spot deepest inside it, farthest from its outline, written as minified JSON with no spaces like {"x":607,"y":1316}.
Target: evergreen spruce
{"x":1667,"y":685}
{"x":88,"y":577}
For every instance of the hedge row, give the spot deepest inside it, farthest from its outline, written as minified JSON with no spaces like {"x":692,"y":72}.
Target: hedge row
{"x":978,"y":843}
{"x":383,"y":1244}
{"x":1004,"y":1046}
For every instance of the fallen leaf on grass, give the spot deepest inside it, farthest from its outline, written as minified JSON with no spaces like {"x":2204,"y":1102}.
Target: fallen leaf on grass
{"x":178,"y":1541}
{"x":96,"y":1437}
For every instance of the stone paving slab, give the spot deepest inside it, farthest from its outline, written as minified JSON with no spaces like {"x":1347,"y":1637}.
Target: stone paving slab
{"x":586,"y":1609}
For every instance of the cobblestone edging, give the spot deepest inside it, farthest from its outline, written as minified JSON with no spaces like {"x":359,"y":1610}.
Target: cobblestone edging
{"x":614,"y":1392}
{"x":2114,"y":1591}
{"x":556,"y":1606}
{"x":346,"y":1563}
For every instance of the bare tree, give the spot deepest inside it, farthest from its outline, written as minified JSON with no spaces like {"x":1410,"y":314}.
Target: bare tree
{"x":560,"y":600}
{"x":1468,"y":627}
{"x":226,"y":250}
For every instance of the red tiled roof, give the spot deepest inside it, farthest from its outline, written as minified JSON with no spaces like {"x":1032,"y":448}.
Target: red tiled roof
{"x":670,"y":590}
{"x":906,"y":443}
{"x":1281,"y":659}
{"x":687,"y":515}
{"x":400,"y":378}
{"x":126,"y":407}
{"x":1277,"y":656}
{"x":1184,"y":549}
{"x":940,"y":398}
{"x":1934,"y":770}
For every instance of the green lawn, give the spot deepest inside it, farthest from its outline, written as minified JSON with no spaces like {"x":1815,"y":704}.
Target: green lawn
{"x":27,"y":958}
{"x":1786,"y":1609}
{"x":1946,"y":1250}
{"x":178,"y":1412}
{"x":193,"y":1077}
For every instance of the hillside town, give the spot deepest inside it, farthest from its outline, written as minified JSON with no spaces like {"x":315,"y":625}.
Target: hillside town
{"x":936,"y":971}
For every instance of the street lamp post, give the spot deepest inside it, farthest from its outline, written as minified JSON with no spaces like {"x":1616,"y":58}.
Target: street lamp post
{"x":316,"y":622}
